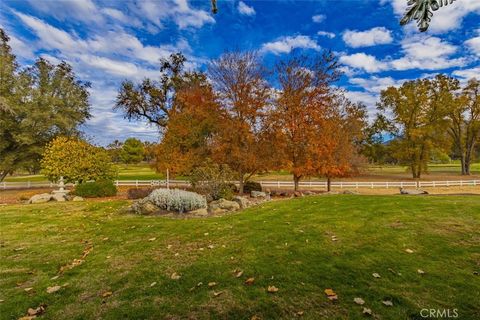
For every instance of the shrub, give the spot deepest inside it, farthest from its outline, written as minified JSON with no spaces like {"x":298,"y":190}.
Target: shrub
{"x":212,"y":180}
{"x":176,"y":200}
{"x":138,"y":193}
{"x":250,"y":186}
{"x":101,"y":188}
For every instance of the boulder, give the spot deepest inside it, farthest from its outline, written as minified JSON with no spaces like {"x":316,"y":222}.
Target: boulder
{"x":297,"y":194}
{"x":242,"y":201}
{"x":412,"y":191}
{"x":258,"y":194}
{"x":144,"y":207}
{"x":223,"y":205}
{"x":58,"y":197}
{"x":202,"y":212}
{"x":77,"y":199}
{"x":40,"y":198}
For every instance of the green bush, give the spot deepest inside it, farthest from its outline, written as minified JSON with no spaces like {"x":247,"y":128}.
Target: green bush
{"x":101,"y":188}
{"x":212,"y":180}
{"x":250,"y":186}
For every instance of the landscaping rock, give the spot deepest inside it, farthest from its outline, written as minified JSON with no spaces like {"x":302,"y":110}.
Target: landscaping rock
{"x":242,"y":201}
{"x":258,"y":194}
{"x":58,"y":197}
{"x":412,"y":191}
{"x":223,"y":205}
{"x":144,"y":207}
{"x":40,"y":198}
{"x":77,"y":199}
{"x":297,"y":194}
{"x":199,"y":212}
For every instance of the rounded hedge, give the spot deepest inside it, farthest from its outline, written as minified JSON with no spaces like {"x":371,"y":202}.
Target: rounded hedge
{"x":96,"y":189}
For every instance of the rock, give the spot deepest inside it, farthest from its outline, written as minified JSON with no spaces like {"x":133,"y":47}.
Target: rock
{"x":202,"y":212}
{"x":412,"y":191}
{"x":258,"y":194}
{"x":309,"y":193}
{"x":40,"y":198}
{"x":242,"y":201}
{"x":58,"y":197}
{"x":223,"y":205}
{"x":350,"y":192}
{"x":144,"y":207}
{"x":77,"y":199}
{"x":297,"y":194}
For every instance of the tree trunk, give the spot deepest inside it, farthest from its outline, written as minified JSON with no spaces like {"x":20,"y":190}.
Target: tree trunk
{"x":3,"y":174}
{"x":329,"y":184}
{"x":240,"y":186}
{"x":463,"y":163}
{"x":466,"y":164}
{"x":296,"y":182}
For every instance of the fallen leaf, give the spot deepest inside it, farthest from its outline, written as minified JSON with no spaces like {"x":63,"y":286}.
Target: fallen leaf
{"x":169,"y":246}
{"x":212,"y":284}
{"x":388,"y":303}
{"x":152,"y":239}
{"x":175,"y":276}
{"x":420,"y":271}
{"x":27,"y":318}
{"x":105,"y":239}
{"x":331,"y":295}
{"x":359,"y":301}
{"x":53,"y":289}
{"x":249,"y":281}
{"x":376,"y":275}
{"x":211,"y":246}
{"x":299,"y":313}
{"x":408,"y":250}
{"x":37,"y":311}
{"x":28,"y":289}
{"x":255,"y":317}
{"x":54,"y":278}
{"x":367,"y":311}
{"x":238,"y":273}
{"x":272,"y":289}
{"x":107,"y":294}
{"x":216,"y":294}
{"x":205,"y":234}
{"x":176,"y":254}
{"x":152,"y":284}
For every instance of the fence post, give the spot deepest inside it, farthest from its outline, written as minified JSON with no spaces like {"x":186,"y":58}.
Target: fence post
{"x":116,"y":183}
{"x":278,"y":184}
{"x":136,"y":183}
{"x":387,"y":184}
{"x":419,"y":184}
{"x":371,"y":185}
{"x":356,"y":185}
{"x":4,"y":185}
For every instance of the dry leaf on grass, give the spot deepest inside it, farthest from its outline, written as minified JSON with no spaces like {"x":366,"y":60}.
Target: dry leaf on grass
{"x":359,"y":301}
{"x":216,"y":294}
{"x":331,"y":294}
{"x":376,"y":275}
{"x":152,"y":284}
{"x":107,"y":294}
{"x":175,"y":276}
{"x":299,"y":313}
{"x":238,"y":273}
{"x":28,"y":289}
{"x":53,"y":289}
{"x":152,"y":239}
{"x":212,"y":284}
{"x":33,"y":313}
{"x":408,"y":250}
{"x":420,"y":271}
{"x":249,"y":281}
{"x":388,"y":303}
{"x":272,"y":289}
{"x":255,"y":317}
{"x":367,"y":311}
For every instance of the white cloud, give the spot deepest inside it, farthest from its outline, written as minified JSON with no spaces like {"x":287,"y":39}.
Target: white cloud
{"x":474,"y":44}
{"x":330,"y":35}
{"x":468,"y":73}
{"x":376,"y":84}
{"x":81,"y":10}
{"x":287,"y":44}
{"x":20,"y":48}
{"x":363,"y":61}
{"x":318,"y":18}
{"x":244,"y":9}
{"x":375,"y":36}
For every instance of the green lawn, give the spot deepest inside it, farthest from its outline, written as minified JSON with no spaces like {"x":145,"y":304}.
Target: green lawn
{"x":286,"y":244}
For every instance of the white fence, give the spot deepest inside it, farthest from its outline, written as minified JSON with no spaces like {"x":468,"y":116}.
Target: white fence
{"x":269,"y":184}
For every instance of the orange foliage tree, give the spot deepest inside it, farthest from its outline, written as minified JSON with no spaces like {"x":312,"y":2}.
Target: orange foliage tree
{"x":243,"y":94}
{"x":188,"y":135}
{"x":311,"y":123}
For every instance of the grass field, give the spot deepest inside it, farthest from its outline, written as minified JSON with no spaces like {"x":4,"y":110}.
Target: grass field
{"x":451,"y":171}
{"x":286,"y":244}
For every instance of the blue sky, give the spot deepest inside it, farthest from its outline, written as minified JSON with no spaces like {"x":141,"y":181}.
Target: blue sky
{"x":109,"y":41}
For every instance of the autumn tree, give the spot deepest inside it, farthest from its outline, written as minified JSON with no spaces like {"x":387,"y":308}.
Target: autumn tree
{"x":76,"y":161}
{"x":301,"y":110}
{"x":37,"y":103}
{"x":132,"y":151}
{"x":187,"y":139}
{"x":152,"y":100}
{"x":114,"y":148}
{"x":464,"y":116}
{"x":243,"y":94}
{"x":417,"y":123}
